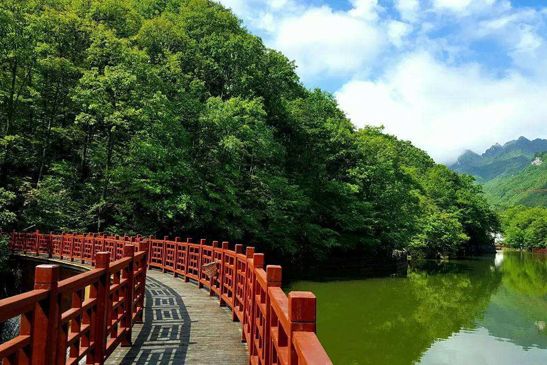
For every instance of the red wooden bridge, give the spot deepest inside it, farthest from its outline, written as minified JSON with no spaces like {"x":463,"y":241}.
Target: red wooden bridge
{"x":107,"y":301}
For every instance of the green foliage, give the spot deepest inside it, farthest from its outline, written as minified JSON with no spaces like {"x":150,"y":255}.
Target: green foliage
{"x":167,"y":117}
{"x":6,"y":218}
{"x":442,"y":234}
{"x":527,"y":187}
{"x":525,"y":227}
{"x":6,"y":215}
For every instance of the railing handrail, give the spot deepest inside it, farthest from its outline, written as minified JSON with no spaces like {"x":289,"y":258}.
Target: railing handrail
{"x":97,"y":320}
{"x":278,"y":328}
{"x":246,"y":273}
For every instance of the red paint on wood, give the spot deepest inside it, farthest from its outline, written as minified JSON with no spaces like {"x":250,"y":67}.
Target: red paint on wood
{"x":279,"y":329}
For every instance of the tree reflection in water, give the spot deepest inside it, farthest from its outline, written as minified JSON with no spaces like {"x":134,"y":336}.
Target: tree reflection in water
{"x":399,"y":320}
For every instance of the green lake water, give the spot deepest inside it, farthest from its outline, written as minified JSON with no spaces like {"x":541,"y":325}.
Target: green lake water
{"x":490,"y":310}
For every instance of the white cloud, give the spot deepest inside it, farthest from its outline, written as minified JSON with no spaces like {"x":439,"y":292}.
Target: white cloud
{"x":408,"y":9}
{"x":365,"y":9}
{"x":325,"y":41}
{"x":454,"y":5}
{"x":397,"y":31}
{"x":469,"y":7}
{"x":416,"y":67}
{"x":445,"y":109}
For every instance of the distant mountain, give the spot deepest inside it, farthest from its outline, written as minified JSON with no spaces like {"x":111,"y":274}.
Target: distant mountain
{"x":498,"y":160}
{"x":526,"y":187}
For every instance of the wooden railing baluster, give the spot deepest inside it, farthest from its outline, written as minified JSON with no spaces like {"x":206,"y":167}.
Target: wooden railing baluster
{"x":46,"y":316}
{"x":127,"y":274}
{"x":278,"y":329}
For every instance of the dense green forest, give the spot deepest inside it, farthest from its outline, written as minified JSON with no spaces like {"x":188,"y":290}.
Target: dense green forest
{"x":525,"y":227}
{"x":526,"y":187}
{"x":168,"y":117}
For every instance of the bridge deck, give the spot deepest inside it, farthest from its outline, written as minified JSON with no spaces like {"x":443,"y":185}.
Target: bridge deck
{"x":182,"y":325}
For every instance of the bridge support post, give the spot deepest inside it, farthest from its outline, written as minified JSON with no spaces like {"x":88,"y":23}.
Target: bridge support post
{"x":46,"y":317}
{"x":128,"y":251}
{"x":302,"y":317}
{"x":101,"y":290}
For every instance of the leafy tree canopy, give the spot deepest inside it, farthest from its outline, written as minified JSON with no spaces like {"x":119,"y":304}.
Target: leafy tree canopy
{"x":168,"y":117}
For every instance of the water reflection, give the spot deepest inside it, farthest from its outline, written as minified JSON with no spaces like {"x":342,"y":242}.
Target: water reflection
{"x":478,"y":311}
{"x":498,"y":259}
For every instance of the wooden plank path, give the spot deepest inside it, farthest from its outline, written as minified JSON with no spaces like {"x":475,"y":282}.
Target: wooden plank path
{"x":182,"y":325}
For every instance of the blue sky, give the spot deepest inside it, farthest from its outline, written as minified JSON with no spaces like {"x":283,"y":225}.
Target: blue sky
{"x":448,"y":75}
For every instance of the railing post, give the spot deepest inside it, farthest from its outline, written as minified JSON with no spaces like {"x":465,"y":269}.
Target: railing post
{"x":258,"y":263}
{"x":302,"y":316}
{"x":187,"y":259}
{"x":273,"y":279}
{"x":103,"y":288}
{"x":37,"y":242}
{"x":128,"y":251}
{"x":212,"y":278}
{"x":150,"y":249}
{"x":222,"y":272}
{"x":93,"y":249}
{"x":45,"y":322}
{"x":238,"y":250}
{"x":142,"y":246}
{"x":82,"y":247}
{"x":62,"y":245}
{"x":164,"y":252}
{"x":50,"y":245}
{"x":201,"y":243}
{"x":117,"y":239}
{"x":249,"y":252}
{"x":176,"y":256}
{"x":72,"y":247}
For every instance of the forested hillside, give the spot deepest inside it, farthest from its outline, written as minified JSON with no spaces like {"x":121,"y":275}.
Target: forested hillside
{"x":168,"y":117}
{"x":514,"y":178}
{"x":527,"y":187}
{"x":498,"y":160}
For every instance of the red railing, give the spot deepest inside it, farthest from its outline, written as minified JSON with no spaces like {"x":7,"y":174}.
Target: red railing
{"x":278,"y":328}
{"x":84,"y":317}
